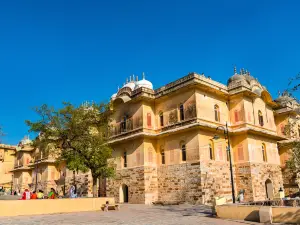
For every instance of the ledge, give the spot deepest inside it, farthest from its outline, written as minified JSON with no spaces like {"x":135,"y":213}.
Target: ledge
{"x":50,"y":206}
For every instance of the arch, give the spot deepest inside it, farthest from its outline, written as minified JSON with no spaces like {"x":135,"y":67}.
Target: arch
{"x":260,"y":118}
{"x":161,"y":118}
{"x":211,"y":150}
{"x":125,"y":159}
{"x":264,"y":152}
{"x":123,"y":193}
{"x":162,"y":153}
{"x":181,"y":112}
{"x":183,"y":151}
{"x":269,"y":189}
{"x":217,"y":112}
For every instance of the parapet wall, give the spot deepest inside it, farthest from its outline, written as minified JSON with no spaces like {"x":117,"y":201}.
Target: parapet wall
{"x":50,"y":206}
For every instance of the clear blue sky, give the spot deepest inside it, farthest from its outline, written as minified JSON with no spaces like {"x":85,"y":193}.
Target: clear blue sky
{"x":54,"y":51}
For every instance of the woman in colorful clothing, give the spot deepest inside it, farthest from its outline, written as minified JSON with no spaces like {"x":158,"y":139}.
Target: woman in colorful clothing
{"x":51,"y":194}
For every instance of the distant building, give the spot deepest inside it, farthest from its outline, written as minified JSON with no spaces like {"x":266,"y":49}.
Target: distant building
{"x":6,"y":165}
{"x":164,"y":146}
{"x":37,"y":170}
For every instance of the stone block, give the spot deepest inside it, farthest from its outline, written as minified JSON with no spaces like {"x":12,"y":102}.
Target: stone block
{"x":265,"y":214}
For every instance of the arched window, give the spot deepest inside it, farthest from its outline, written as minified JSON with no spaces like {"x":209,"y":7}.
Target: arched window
{"x":181,"y":111}
{"x":211,"y":151}
{"x":264,"y":153}
{"x":183,"y":152}
{"x":123,"y":124}
{"x":161,"y":119}
{"x":260,"y":118}
{"x":162,"y":153}
{"x":125,"y":159}
{"x":217,"y":113}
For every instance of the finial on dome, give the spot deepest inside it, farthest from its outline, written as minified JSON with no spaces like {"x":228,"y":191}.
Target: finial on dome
{"x":129,"y":78}
{"x":132,"y":77}
{"x":143,"y":76}
{"x":234,"y":69}
{"x":137,"y":78}
{"x":126,"y":80}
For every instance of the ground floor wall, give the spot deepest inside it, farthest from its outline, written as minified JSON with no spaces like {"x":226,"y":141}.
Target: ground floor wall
{"x":260,"y":181}
{"x":195,"y":182}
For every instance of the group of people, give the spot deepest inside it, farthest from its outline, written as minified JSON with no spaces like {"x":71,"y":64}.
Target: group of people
{"x":27,"y":195}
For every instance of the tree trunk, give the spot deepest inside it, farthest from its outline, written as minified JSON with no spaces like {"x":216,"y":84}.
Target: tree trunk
{"x":95,"y":192}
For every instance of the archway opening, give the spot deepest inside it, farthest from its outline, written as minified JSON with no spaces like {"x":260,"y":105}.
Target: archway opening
{"x":124,"y":193}
{"x":269,"y":189}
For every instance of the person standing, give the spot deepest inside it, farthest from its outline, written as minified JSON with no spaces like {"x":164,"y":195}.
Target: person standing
{"x":26,"y":195}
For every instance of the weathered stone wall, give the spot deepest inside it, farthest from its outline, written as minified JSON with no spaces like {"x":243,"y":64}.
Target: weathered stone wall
{"x":289,"y":181}
{"x":173,"y":181}
{"x":260,"y":173}
{"x":134,"y":178}
{"x":151,"y":184}
{"x":215,"y":180}
{"x":243,"y":180}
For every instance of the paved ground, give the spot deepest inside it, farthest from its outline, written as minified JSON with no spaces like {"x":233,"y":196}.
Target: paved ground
{"x":129,"y":215}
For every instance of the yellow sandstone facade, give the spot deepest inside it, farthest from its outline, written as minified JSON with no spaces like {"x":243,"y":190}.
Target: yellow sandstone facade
{"x":37,"y":170}
{"x":6,"y":165}
{"x":165,"y":148}
{"x":164,"y":145}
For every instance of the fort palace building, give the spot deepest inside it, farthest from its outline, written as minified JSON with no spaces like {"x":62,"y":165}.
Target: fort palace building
{"x":164,"y":144}
{"x":165,"y":148}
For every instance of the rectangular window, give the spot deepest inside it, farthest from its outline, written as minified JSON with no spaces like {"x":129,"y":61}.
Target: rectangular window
{"x":181,"y":110}
{"x":161,"y":119}
{"x":149,"y":119}
{"x":183,"y":153}
{"x":125,"y":159}
{"x":163,"y":161}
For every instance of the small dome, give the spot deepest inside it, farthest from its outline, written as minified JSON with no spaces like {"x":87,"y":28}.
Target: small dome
{"x":258,"y":91}
{"x":235,"y":77}
{"x":144,"y":83}
{"x":113,"y":96}
{"x":131,"y":85}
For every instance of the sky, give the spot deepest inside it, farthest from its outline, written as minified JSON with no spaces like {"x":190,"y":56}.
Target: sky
{"x":76,"y":51}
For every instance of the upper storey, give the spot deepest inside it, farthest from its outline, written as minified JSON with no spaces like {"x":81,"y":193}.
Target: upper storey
{"x":194,"y":100}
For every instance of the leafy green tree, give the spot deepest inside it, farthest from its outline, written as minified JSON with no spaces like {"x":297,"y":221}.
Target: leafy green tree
{"x":292,"y":127}
{"x":77,"y":136}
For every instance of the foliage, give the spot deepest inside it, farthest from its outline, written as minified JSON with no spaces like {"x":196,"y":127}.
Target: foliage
{"x":77,"y":136}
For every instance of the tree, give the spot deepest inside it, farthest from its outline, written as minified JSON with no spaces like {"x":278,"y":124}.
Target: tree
{"x":76,"y":135}
{"x":292,"y":127}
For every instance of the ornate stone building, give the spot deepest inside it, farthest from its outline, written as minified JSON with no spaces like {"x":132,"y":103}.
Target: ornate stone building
{"x":6,"y":165}
{"x":288,"y":125}
{"x":164,"y":145}
{"x":37,"y":170}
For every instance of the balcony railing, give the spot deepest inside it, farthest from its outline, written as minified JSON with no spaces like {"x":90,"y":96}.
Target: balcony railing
{"x":125,"y":126}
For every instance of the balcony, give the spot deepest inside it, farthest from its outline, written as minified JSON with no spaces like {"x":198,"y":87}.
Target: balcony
{"x":126,"y":127}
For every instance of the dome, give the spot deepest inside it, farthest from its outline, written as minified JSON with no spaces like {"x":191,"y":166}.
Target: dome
{"x":144,"y":83}
{"x":235,"y":77}
{"x":284,"y":99}
{"x":258,"y":91}
{"x":131,"y":85}
{"x":113,"y":96}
